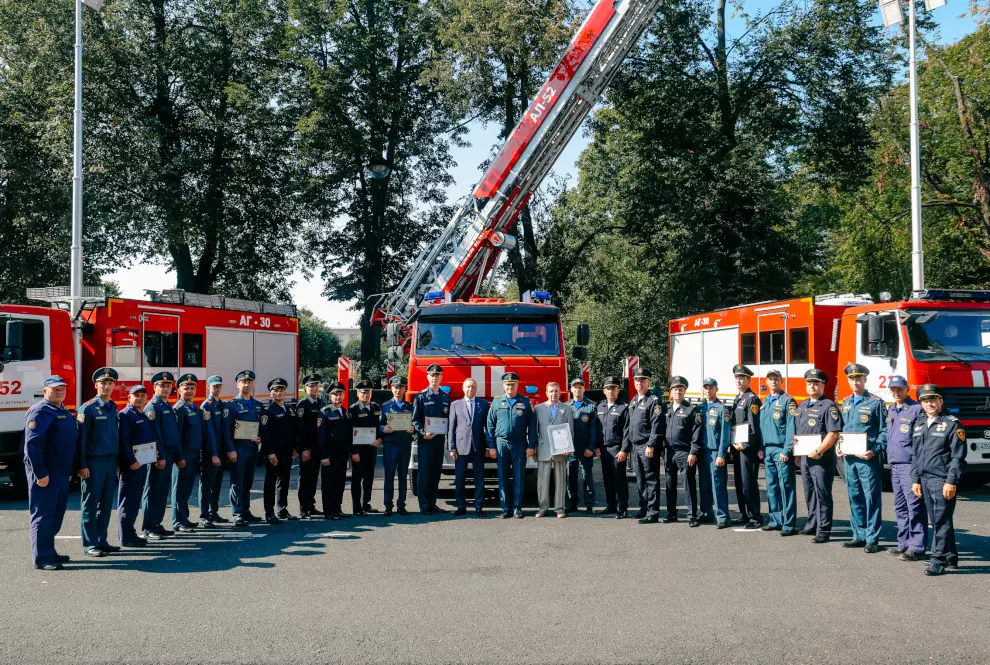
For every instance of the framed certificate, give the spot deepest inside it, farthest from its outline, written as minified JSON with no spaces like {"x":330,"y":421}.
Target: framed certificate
{"x":146,"y":453}
{"x":364,"y":436}
{"x":400,"y":421}
{"x":806,"y":444}
{"x":561,"y":442}
{"x":741,"y":434}
{"x":436,"y":425}
{"x":244,"y":429}
{"x":852,"y":443}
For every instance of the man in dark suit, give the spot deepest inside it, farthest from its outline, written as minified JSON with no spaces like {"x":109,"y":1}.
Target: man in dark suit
{"x":466,"y":437}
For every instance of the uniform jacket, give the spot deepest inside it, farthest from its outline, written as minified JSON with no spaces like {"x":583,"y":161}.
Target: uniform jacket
{"x":278,"y":432}
{"x":644,"y":423}
{"x":564,"y":415}
{"x":309,"y":429}
{"x":683,"y":427}
{"x":426,"y":404}
{"x":900,"y":426}
{"x":818,"y":417}
{"x":866,"y":414}
{"x":369,"y":416}
{"x":135,"y":429}
{"x":939,"y":449}
{"x":49,"y":440}
{"x":336,"y":440}
{"x":466,"y":429}
{"x":248,"y":410}
{"x":777,"y":422}
{"x":211,"y":411}
{"x":98,"y":431}
{"x":718,"y":428}
{"x":511,"y":424}
{"x":192,"y":433}
{"x":585,"y":426}
{"x":165,"y":425}
{"x":746,"y":409}
{"x":611,"y":422}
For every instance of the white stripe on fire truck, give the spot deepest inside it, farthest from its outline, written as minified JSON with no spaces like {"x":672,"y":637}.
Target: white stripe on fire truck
{"x":478,"y":374}
{"x":496,"y":379}
{"x":978,"y":379}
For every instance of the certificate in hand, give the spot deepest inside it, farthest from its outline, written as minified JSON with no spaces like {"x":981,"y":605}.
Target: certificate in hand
{"x":146,"y":453}
{"x":560,"y":439}
{"x":741,"y":434}
{"x":806,"y":444}
{"x":852,"y":443}
{"x":399,"y":421}
{"x":436,"y":425}
{"x":364,"y":436}
{"x":244,"y":429}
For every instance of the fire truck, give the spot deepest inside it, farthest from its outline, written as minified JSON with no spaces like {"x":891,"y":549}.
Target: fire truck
{"x":174,"y":331}
{"x":939,"y":336}
{"x":439,"y":312}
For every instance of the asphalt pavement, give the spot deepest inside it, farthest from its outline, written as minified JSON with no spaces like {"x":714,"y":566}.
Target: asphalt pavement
{"x":586,"y":589}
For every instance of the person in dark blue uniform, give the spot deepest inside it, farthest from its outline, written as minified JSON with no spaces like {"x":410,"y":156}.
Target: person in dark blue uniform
{"x":511,"y":434}
{"x":165,"y":424}
{"x":97,"y":452}
{"x":910,"y":510}
{"x":863,"y":412}
{"x":818,"y":416}
{"x":683,"y":425}
{"x":585,"y":449}
{"x":777,"y":432}
{"x":134,"y":429}
{"x":49,"y":454}
{"x":365,"y":415}
{"x":610,"y":420}
{"x":433,"y":404}
{"x":746,"y":455}
{"x":278,"y":448}
{"x":397,"y":446}
{"x":335,"y":452}
{"x":713,"y":455}
{"x":214,"y":456}
{"x":245,"y":409}
{"x":643,"y":438}
{"x":192,"y":435}
{"x":939,"y":461}
{"x":310,"y":433}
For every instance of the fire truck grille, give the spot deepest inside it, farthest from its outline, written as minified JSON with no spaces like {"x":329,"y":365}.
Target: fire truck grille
{"x":968,"y":403}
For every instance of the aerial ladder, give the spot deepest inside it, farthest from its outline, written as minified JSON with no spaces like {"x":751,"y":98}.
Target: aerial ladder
{"x":456,"y":264}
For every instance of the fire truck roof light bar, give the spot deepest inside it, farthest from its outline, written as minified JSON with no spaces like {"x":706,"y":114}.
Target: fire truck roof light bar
{"x":951,"y":294}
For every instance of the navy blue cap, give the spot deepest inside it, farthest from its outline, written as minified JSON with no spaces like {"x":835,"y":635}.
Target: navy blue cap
{"x":163,"y":377}
{"x":434,"y":369}
{"x":399,"y":380}
{"x":244,"y":374}
{"x":577,"y":381}
{"x":335,"y":387}
{"x":642,"y":373}
{"x":510,"y":377}
{"x":928,"y":391}
{"x":215,"y":380}
{"x":610,"y":382}
{"x":54,"y":381}
{"x":364,"y":384}
{"x":741,"y":370}
{"x":855,"y":369}
{"x":188,"y":380}
{"x":897,"y":381}
{"x":105,"y":373}
{"x":815,"y":374}
{"x":138,"y":389}
{"x":311,"y":378}
{"x":710,"y":381}
{"x":277,"y":383}
{"x":677,"y":382}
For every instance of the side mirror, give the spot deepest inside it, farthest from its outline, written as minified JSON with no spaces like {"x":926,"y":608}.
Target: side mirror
{"x":583,"y":334}
{"x":15,"y":340}
{"x":395,"y":353}
{"x":392,"y":331}
{"x":579,"y":353}
{"x":875,"y":329}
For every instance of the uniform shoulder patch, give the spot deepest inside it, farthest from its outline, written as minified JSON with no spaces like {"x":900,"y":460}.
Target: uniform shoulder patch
{"x":81,"y":417}
{"x":961,"y":433}
{"x":726,"y":416}
{"x":206,"y":414}
{"x":833,"y":412}
{"x":264,"y":419}
{"x":149,"y":411}
{"x":301,"y":412}
{"x":697,"y":417}
{"x":226,"y":412}
{"x":792,"y":409}
{"x":656,"y":410}
{"x":32,"y":424}
{"x":755,"y":408}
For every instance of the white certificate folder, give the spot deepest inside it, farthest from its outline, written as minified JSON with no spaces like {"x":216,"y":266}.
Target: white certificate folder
{"x":852,"y":443}
{"x":806,"y":444}
{"x":436,"y":425}
{"x":560,"y":439}
{"x":365,"y":436}
{"x":741,"y":435}
{"x":244,"y":429}
{"x":146,"y":453}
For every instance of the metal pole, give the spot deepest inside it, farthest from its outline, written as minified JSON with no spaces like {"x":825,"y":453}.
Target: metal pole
{"x":917,"y":254}
{"x":75,"y":278}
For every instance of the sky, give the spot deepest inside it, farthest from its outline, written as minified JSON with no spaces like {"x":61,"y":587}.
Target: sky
{"x":953,"y":21}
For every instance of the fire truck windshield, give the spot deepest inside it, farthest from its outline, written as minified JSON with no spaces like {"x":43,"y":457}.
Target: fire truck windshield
{"x":949,"y":335}
{"x":493,"y":336}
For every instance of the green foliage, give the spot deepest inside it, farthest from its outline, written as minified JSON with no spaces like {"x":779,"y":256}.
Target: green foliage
{"x":319,"y":348}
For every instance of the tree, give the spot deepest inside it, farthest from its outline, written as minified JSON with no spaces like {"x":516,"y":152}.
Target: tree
{"x":319,"y":348}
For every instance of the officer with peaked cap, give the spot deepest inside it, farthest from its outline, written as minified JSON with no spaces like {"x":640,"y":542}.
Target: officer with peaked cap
{"x":165,"y":424}
{"x":278,"y":449}
{"x":644,"y":440}
{"x":430,"y":404}
{"x":910,"y":510}
{"x":777,"y":431}
{"x":397,"y":445}
{"x":818,"y":416}
{"x":220,"y":450}
{"x":683,"y":425}
{"x":747,"y":449}
{"x":192,"y":434}
{"x":335,"y":452}
{"x":134,"y":430}
{"x":585,"y":448}
{"x":49,"y":452}
{"x":611,"y":419}
{"x":310,"y":433}
{"x":863,"y":412}
{"x":98,"y":445}
{"x":713,"y":480}
{"x":939,"y":461}
{"x":511,"y":433}
{"x":243,"y":409}
{"x":365,"y":416}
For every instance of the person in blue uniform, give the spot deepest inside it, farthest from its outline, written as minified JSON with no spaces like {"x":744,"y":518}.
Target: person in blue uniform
{"x":433,"y":404}
{"x":246,"y":409}
{"x":746,"y":455}
{"x":192,"y":434}
{"x":610,"y":421}
{"x":683,"y":425}
{"x":134,"y":429}
{"x":643,"y":438}
{"x":278,"y":448}
{"x":335,"y":452}
{"x":49,"y":455}
{"x":212,"y":465}
{"x":938,"y":463}
{"x":365,"y":415}
{"x":511,"y":434}
{"x":713,"y":472}
{"x":310,"y":433}
{"x":818,"y":416}
{"x":777,"y":433}
{"x":97,"y":451}
{"x":397,"y":446}
{"x":165,"y":424}
{"x":585,"y":449}
{"x":864,"y":412}
{"x":910,"y":510}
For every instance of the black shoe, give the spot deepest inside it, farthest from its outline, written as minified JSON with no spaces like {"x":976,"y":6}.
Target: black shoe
{"x":649,"y":520}
{"x":219,"y":520}
{"x":953,"y":564}
{"x":478,"y":512}
{"x":517,"y":513}
{"x":185,"y":528}
{"x":770,"y":527}
{"x":109,"y":549}
{"x":693,"y":523}
{"x":873,"y":548}
{"x":240,"y":521}
{"x":50,"y":566}
{"x":388,"y":511}
{"x":286,"y":515}
{"x":606,"y":511}
{"x":303,"y":515}
{"x":754,"y":524}
{"x":252,"y":518}
{"x":668,"y":519}
{"x":135,"y":543}
{"x":368,"y":509}
{"x":818,"y":540}
{"x":165,"y":533}
{"x":153,"y":535}
{"x":460,"y":511}
{"x":435,"y":509}
{"x":95,"y":552}
{"x":807,"y":532}
{"x":359,"y":512}
{"x":931,"y":571}
{"x":722,"y":525}
{"x":505,"y":515}
{"x":895,"y":551}
{"x":854,"y":543}
{"x":206,"y":524}
{"x":591,"y":510}
{"x":706,"y":519}
{"x":271,"y":519}
{"x":402,"y":511}
{"x":740,"y":520}
{"x":332,"y":516}
{"x":640,"y":514}
{"x":62,"y":558}
{"x":620,"y":514}
{"x":784,"y":534}
{"x":314,"y":511}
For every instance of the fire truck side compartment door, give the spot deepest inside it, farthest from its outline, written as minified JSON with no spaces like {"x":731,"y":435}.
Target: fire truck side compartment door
{"x":228,"y":351}
{"x":22,"y":381}
{"x":275,"y":356}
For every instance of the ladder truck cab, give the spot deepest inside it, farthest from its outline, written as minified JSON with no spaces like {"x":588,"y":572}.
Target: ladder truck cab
{"x":939,"y":336}
{"x":174,"y":331}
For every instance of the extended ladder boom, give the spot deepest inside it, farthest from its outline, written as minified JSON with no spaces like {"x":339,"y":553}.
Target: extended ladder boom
{"x":461,"y":258}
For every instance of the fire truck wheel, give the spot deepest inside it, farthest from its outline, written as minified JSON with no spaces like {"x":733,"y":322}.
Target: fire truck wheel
{"x":413,"y":482}
{"x":975,"y":478}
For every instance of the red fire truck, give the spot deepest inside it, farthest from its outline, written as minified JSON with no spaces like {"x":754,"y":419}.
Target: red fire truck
{"x":175,"y":331}
{"x":939,"y":336}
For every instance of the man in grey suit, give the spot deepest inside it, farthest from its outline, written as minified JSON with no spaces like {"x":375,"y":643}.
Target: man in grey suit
{"x":551,"y":412}
{"x":466,"y":437}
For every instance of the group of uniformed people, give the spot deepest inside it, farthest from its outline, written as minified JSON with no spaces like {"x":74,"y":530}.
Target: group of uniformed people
{"x":152,"y":450}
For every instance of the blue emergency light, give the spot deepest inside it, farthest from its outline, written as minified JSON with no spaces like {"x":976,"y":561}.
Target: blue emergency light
{"x":951,"y":294}
{"x":530,"y":390}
